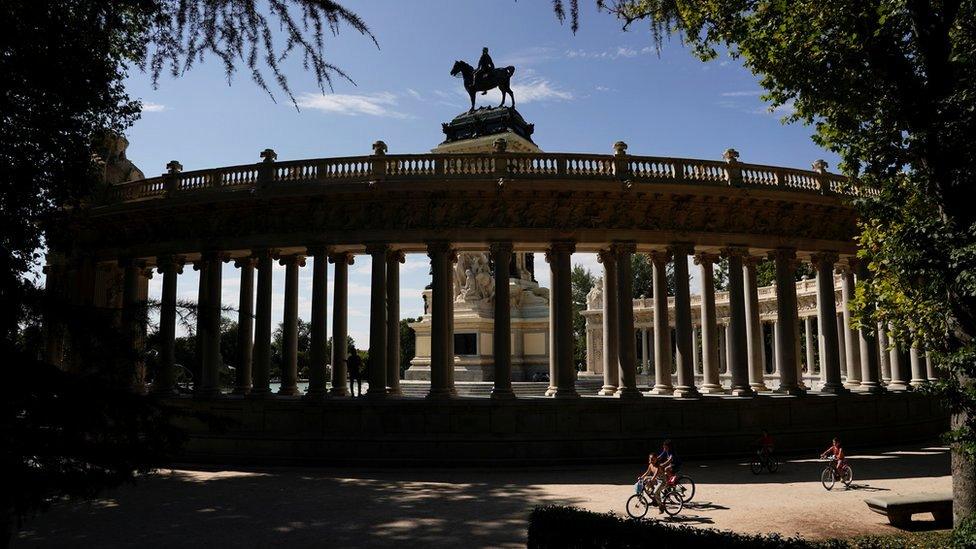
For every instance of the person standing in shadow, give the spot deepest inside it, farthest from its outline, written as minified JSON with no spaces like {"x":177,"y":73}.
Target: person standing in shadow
{"x":354,"y":364}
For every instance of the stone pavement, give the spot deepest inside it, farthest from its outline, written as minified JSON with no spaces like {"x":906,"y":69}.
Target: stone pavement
{"x":476,"y":507}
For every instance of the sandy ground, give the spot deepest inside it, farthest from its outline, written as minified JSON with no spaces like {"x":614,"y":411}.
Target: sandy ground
{"x":472,"y":507}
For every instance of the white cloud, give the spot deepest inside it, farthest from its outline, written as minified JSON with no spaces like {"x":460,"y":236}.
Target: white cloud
{"x":149,"y":106}
{"x":539,"y":89}
{"x":604,"y":89}
{"x":751,"y":93}
{"x":381,"y":104}
{"x":414,"y":93}
{"x":620,"y":52}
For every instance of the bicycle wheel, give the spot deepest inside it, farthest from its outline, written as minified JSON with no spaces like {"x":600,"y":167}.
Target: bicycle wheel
{"x":756,"y":465}
{"x":827,"y":478}
{"x":637,"y":506}
{"x":847,"y":475}
{"x":685,"y":487}
{"x":673,"y":504}
{"x":772,"y":465}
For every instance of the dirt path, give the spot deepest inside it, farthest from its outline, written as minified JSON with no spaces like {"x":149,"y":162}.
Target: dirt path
{"x":470,"y":507}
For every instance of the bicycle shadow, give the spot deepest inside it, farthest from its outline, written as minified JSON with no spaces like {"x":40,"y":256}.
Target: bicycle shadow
{"x":689,"y":519}
{"x":705,"y":506}
{"x":867,"y":488}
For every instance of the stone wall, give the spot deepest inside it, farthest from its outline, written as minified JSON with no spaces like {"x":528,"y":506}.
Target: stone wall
{"x":538,"y":430}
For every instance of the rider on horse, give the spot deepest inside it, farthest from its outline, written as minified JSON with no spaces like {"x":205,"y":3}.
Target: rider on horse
{"x":485,"y":66}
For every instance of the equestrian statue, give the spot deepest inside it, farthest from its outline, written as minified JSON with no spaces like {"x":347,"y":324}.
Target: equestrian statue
{"x":485,"y":77}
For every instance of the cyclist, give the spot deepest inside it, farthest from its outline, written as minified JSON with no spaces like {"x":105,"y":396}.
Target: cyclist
{"x":668,"y":460}
{"x":837,"y":451}
{"x":654,"y":474}
{"x":766,"y":444}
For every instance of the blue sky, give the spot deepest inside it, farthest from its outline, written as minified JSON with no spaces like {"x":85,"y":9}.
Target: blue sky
{"x":583,"y":92}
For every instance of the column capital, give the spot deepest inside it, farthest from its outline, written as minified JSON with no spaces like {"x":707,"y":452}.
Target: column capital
{"x":396,"y":256}
{"x":681,"y":248}
{"x":440,"y":246}
{"x":751,"y":261}
{"x":246,"y":262}
{"x":317,"y":250}
{"x":827,"y":258}
{"x":164,"y":261}
{"x":264,"y":253}
{"x":292,"y":259}
{"x":660,"y":257}
{"x":619,"y":248}
{"x":501,"y":246}
{"x":702,"y":258}
{"x":373,"y":248}
{"x":782,"y":253}
{"x":564,"y":246}
{"x":344,"y":258}
{"x":735,"y":251}
{"x":605,"y":255}
{"x":215,"y":255}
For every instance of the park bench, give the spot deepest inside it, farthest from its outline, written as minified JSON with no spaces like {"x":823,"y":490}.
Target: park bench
{"x":899,"y":509}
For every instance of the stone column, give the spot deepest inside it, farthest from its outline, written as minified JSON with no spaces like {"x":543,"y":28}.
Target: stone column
{"x":870,"y":360}
{"x":662,"y":331}
{"x":695,"y":349}
{"x":842,"y":344}
{"x":723,"y":349}
{"x":827,"y":323}
{"x":377,"y":321}
{"x":626,"y":344}
{"x":897,"y":381}
{"x":683,"y":330}
{"x":754,"y":333}
{"x":930,"y":372}
{"x":765,"y":361}
{"x":211,"y":276}
{"x":165,"y":383}
{"x":245,"y":326}
{"x":501,"y":256}
{"x":883,"y":353}
{"x":340,"y":332}
{"x":560,"y":263}
{"x":262,"y":326}
{"x":710,"y":351}
{"x":318,"y":327}
{"x":738,"y":346}
{"x":918,"y":367}
{"x":786,"y":322}
{"x":393,"y":260}
{"x":441,"y":310}
{"x":289,"y":325}
{"x":645,"y":349}
{"x":808,"y":341}
{"x":133,"y":320}
{"x":611,"y":363}
{"x":851,"y":344}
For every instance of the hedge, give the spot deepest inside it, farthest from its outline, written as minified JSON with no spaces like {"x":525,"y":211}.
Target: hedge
{"x":554,"y":526}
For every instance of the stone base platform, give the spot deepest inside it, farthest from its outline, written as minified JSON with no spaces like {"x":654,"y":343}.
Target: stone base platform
{"x":541,"y":430}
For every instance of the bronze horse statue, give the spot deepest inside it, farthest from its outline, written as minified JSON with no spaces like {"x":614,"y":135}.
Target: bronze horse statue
{"x":498,"y":78}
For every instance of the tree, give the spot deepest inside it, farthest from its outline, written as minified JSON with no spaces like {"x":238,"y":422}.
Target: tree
{"x":643,"y":271}
{"x":408,"y":343}
{"x":721,"y":274}
{"x":62,"y":71}
{"x":582,"y":282}
{"x":304,"y":343}
{"x":888,"y":86}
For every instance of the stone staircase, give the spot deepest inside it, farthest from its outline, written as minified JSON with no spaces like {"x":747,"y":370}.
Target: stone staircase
{"x":482,"y":389}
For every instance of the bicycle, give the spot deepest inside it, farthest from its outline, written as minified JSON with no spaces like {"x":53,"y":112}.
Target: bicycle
{"x":643,"y":499}
{"x":830,"y":476}
{"x":683,"y":485}
{"x":763,"y":460}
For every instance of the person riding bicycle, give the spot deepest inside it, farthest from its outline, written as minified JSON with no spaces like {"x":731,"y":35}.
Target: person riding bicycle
{"x":668,"y":460}
{"x":837,"y":451}
{"x":766,"y":444}
{"x":654,"y":474}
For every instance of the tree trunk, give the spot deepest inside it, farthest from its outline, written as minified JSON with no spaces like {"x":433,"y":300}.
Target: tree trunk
{"x":963,"y":478}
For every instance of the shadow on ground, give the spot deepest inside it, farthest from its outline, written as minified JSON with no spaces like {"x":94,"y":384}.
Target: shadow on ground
{"x":435,"y":507}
